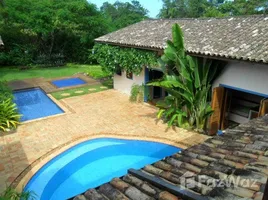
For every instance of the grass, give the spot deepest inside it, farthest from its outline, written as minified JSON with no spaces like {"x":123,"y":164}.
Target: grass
{"x":14,"y":73}
{"x":83,"y":90}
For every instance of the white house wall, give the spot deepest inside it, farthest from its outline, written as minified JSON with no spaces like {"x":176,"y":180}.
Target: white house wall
{"x":246,"y":76}
{"x":123,"y":84}
{"x":243,"y":75}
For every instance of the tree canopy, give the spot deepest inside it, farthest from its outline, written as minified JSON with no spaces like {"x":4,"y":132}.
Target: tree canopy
{"x":123,"y":14}
{"x":52,"y":32}
{"x":211,"y":8}
{"x":55,"y":31}
{"x":35,"y":30}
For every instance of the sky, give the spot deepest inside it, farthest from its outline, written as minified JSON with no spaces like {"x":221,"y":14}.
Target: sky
{"x":153,"y":6}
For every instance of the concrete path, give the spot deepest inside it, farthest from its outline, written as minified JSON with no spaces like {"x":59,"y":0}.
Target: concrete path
{"x":104,"y":113}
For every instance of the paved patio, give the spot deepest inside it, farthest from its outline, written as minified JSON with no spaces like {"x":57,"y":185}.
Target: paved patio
{"x":107,"y":113}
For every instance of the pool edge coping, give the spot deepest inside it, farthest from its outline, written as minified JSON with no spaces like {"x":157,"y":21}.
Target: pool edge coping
{"x":82,"y":76}
{"x":24,"y":177}
{"x":62,"y":105}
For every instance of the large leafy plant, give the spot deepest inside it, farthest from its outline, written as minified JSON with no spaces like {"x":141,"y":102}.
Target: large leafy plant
{"x":187,"y":80}
{"x":9,"y":116}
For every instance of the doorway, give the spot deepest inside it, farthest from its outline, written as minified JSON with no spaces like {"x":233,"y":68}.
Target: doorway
{"x":234,"y":106}
{"x":155,"y":93}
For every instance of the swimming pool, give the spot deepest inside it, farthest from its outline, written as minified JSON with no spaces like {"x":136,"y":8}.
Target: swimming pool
{"x":92,"y":163}
{"x":34,"y":103}
{"x":68,"y":82}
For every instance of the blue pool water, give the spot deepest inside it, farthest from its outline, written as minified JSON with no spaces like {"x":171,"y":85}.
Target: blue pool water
{"x":68,"y":82}
{"x":34,"y":103}
{"x":92,"y":163}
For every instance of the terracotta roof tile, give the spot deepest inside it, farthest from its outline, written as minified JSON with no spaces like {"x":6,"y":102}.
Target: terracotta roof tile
{"x":236,"y":163}
{"x":244,"y":38}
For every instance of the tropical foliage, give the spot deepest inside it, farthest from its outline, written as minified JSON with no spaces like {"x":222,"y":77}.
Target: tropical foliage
{"x":113,"y":58}
{"x":51,"y":33}
{"x":12,"y":194}
{"x":187,"y":80}
{"x":183,"y":8}
{"x":122,"y":14}
{"x":5,"y":91}
{"x":9,"y":117}
{"x":211,"y":8}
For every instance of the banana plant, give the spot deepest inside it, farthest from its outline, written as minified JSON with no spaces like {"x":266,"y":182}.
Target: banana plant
{"x":9,"y":117}
{"x":187,"y":80}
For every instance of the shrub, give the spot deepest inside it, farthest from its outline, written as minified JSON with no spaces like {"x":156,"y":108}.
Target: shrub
{"x":5,"y":91}
{"x":12,"y":194}
{"x":9,"y":116}
{"x":137,"y":93}
{"x":17,"y":55}
{"x":98,"y":73}
{"x":50,"y":60}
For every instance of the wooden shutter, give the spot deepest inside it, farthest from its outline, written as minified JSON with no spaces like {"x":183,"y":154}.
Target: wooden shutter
{"x":225,"y":108}
{"x":263,"y":107}
{"x":217,"y":105}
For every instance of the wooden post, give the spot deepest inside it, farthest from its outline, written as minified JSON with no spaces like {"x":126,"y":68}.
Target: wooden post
{"x":217,"y":106}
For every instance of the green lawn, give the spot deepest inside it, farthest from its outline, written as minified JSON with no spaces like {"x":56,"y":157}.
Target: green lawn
{"x":108,"y":84}
{"x":13,"y":73}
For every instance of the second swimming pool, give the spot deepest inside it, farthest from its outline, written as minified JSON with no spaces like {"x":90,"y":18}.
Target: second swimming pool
{"x":68,"y":82}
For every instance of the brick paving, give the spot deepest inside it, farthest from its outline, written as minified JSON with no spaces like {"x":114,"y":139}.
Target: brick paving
{"x":104,"y":113}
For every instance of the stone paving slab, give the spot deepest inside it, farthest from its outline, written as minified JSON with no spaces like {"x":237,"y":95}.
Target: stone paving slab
{"x":103,"y":113}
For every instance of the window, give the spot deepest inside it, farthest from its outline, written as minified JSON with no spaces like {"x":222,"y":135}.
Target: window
{"x":129,"y":75}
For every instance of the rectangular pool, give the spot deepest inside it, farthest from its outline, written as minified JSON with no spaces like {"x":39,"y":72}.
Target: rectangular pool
{"x":68,"y":82}
{"x":34,"y":104}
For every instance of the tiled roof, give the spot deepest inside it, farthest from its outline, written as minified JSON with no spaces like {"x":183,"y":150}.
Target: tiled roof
{"x":243,"y":38}
{"x":239,"y":158}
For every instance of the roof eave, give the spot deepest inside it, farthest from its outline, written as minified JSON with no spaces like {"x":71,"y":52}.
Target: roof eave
{"x":130,"y":46}
{"x":225,"y":58}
